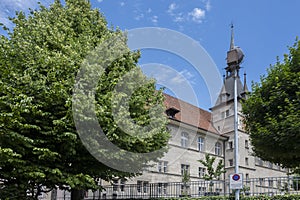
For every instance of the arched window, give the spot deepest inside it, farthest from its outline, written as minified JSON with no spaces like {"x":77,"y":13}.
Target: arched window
{"x":218,"y":148}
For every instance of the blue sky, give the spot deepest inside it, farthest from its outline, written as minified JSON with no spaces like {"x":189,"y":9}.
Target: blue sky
{"x":263,"y":29}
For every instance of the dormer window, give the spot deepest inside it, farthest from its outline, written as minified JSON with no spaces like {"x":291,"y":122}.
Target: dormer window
{"x":171,"y":112}
{"x":224,"y":97}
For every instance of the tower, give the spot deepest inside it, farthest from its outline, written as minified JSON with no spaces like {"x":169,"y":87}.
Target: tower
{"x":223,"y":113}
{"x":223,"y":109}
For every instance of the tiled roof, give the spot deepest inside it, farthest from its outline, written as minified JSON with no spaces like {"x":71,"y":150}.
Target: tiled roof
{"x":190,"y":114}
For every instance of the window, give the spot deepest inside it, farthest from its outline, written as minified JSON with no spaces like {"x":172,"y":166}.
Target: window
{"x":171,"y":112}
{"x":230,"y":162}
{"x":184,"y":139}
{"x":218,"y":149}
{"x":230,"y":145}
{"x":162,"y":188}
{"x":185,"y":169}
{"x":270,"y":181}
{"x":122,"y":185}
{"x":246,"y":144}
{"x":115,"y":185}
{"x":202,"y":190}
{"x":162,"y":166}
{"x":200,"y":143}
{"x":139,"y":186}
{"x":201,"y":172}
{"x":247,"y":178}
{"x":225,"y":114}
{"x":261,"y":181}
{"x":142,"y":186}
{"x":246,"y":161}
{"x":145,"y":186}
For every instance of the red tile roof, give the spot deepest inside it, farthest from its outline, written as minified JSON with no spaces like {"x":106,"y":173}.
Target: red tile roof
{"x":190,"y":114}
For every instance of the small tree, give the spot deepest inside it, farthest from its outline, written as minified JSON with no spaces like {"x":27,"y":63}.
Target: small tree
{"x":185,"y":179}
{"x":212,"y":173}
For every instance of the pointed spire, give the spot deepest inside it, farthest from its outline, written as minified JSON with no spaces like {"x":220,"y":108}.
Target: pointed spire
{"x":232,"y":38}
{"x":245,"y":82}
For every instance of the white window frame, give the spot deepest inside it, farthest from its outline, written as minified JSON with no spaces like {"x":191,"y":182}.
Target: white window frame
{"x":201,"y":142}
{"x":184,"y":139}
{"x":218,"y":149}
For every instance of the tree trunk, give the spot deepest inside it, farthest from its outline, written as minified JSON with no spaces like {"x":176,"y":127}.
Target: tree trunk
{"x":77,"y":194}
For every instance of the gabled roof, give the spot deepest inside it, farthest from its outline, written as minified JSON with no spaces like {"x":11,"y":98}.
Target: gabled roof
{"x":190,"y":114}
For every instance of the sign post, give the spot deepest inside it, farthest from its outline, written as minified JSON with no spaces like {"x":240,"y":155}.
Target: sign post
{"x":236,"y":181}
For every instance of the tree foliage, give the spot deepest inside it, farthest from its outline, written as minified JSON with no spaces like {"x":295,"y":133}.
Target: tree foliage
{"x":272,"y":112}
{"x":213,"y":172}
{"x":39,"y":144}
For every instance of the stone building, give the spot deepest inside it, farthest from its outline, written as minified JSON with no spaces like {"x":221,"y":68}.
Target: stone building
{"x":196,"y":132}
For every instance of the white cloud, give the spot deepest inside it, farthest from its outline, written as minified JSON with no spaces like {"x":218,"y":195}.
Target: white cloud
{"x":9,"y":7}
{"x":179,"y":18}
{"x":208,"y":5}
{"x":99,"y":1}
{"x":121,"y":3}
{"x":172,"y":7}
{"x":139,"y":17}
{"x":154,"y":19}
{"x":149,"y":10}
{"x":181,"y":77}
{"x":197,"y":15}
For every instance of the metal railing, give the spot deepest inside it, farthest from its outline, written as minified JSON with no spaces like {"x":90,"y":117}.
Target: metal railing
{"x":252,"y":187}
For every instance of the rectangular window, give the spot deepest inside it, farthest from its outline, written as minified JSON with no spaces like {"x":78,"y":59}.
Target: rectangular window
{"x":202,"y":190}
{"x":227,"y":113}
{"x":247,"y":161}
{"x":200,"y":144}
{"x":230,"y":145}
{"x":145,"y":186}
{"x":115,"y":185}
{"x":142,"y":186}
{"x":261,"y":181}
{"x":139,"y":186}
{"x":184,"y":139}
{"x":247,"y":178}
{"x":185,"y":169}
{"x":201,"y":172}
{"x":162,"y":166}
{"x":270,"y":181}
{"x":162,"y":188}
{"x":230,"y":162}
{"x":218,"y":149}
{"x":122,"y":185}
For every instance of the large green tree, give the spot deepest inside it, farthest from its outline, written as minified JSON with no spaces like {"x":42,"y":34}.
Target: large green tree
{"x":40,"y":147}
{"x":272,"y":112}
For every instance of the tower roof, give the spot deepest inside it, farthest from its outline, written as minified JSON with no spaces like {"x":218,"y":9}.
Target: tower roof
{"x":234,"y":57}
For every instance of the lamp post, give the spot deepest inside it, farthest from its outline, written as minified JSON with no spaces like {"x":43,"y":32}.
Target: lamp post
{"x":234,"y":58}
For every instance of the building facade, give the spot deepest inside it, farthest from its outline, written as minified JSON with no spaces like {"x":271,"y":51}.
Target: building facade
{"x":196,"y":132}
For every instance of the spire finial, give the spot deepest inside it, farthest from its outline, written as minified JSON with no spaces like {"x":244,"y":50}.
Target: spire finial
{"x":232,"y":37}
{"x":245,"y":82}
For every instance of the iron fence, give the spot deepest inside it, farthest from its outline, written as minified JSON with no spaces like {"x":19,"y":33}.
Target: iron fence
{"x":251,"y":187}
